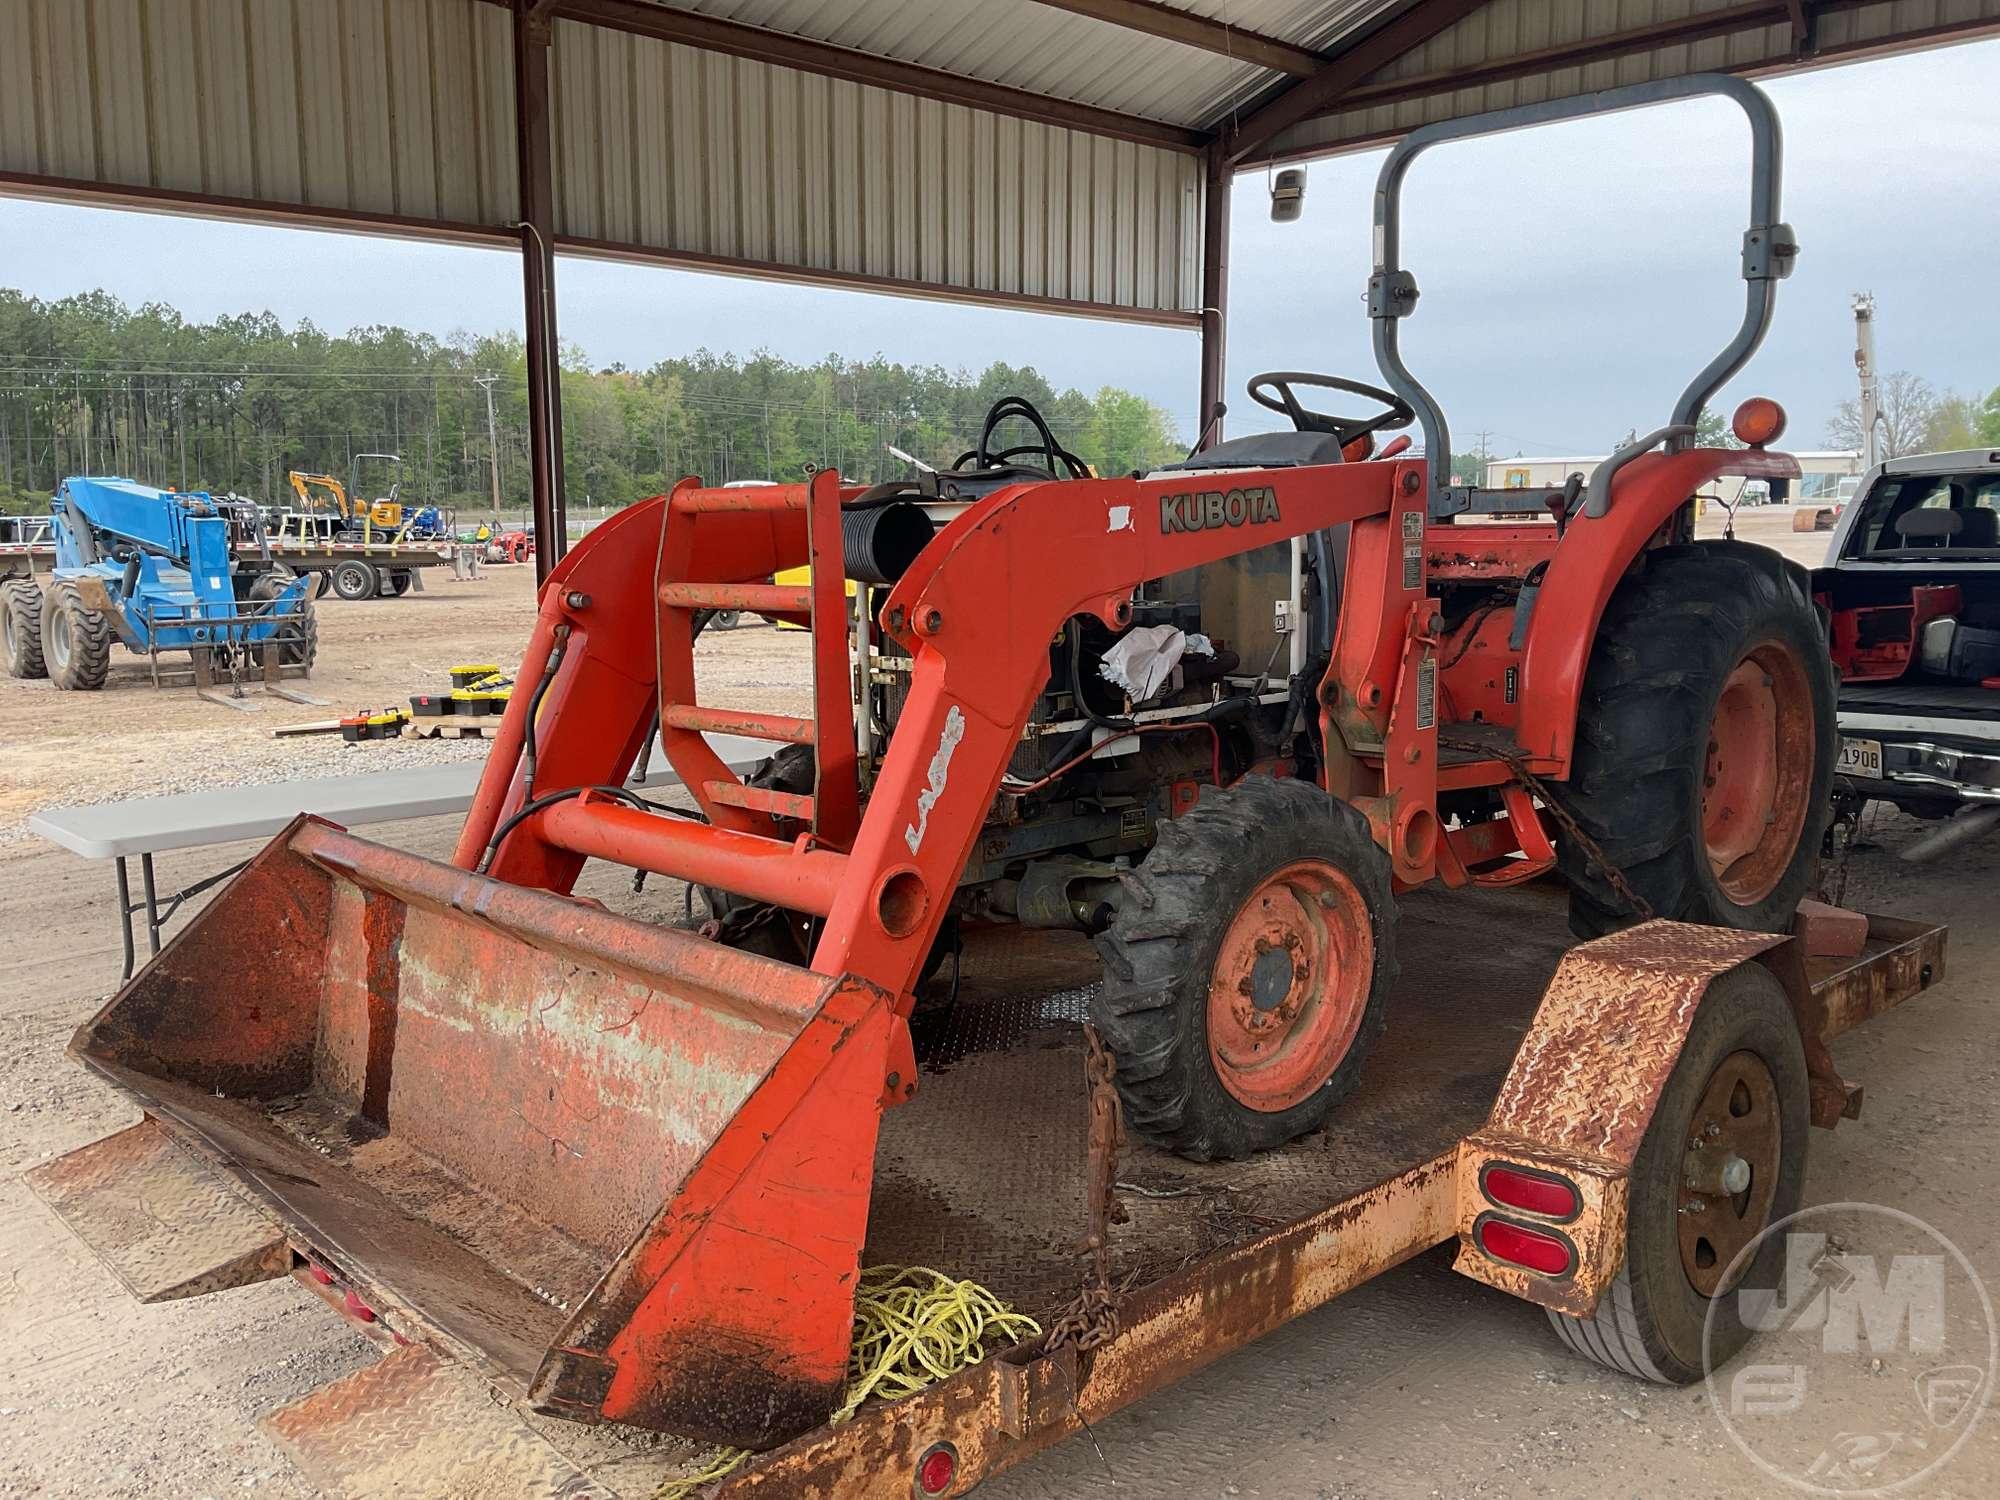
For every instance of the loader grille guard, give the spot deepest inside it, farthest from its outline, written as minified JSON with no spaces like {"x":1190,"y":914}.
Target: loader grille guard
{"x":1769,"y":250}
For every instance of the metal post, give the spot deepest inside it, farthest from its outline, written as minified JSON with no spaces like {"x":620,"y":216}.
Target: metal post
{"x":1864,"y":364}
{"x":125,"y":916}
{"x":152,"y":895}
{"x":531,"y":113}
{"x":485,"y":383}
{"x":1214,"y":293}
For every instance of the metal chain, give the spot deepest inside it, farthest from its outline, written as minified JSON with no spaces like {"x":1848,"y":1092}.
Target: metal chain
{"x":1592,"y":853}
{"x":1092,"y":1318}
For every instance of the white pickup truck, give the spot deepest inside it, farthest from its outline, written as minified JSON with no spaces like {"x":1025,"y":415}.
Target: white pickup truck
{"x":1912,"y":586}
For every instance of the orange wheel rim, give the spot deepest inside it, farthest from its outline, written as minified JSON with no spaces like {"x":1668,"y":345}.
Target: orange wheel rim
{"x":1290,"y":986}
{"x":1756,"y":777}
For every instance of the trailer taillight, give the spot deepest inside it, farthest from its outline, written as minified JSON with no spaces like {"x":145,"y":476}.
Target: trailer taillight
{"x":1531,"y":1191}
{"x":937,"y":1469}
{"x":1518,"y":1245}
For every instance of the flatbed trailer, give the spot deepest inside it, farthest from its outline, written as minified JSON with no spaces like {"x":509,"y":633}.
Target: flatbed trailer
{"x":1505,"y":1037}
{"x":35,"y":559}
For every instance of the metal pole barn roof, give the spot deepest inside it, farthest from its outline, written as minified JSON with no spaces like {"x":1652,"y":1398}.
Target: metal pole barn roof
{"x":1060,"y":155}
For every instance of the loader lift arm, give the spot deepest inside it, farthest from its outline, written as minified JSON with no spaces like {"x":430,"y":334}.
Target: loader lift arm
{"x":976,"y":613}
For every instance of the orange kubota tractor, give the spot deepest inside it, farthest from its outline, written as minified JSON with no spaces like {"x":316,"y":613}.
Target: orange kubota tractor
{"x":626,"y":1167}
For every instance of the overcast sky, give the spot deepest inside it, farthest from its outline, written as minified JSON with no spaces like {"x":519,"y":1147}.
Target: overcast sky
{"x":1590,"y":270}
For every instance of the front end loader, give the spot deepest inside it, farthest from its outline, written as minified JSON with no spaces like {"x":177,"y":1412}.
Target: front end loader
{"x":625,"y":1169}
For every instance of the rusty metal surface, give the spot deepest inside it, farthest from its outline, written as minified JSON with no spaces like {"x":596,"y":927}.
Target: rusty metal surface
{"x":467,"y":1098}
{"x":414,"y":1424}
{"x":983,"y":1172}
{"x":1016,"y":1404}
{"x":1608,"y":1032}
{"x":1901,"y":959}
{"x":163,"y":1222}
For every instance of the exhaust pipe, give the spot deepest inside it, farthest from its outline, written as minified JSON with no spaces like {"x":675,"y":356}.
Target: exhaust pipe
{"x":1974,"y":822}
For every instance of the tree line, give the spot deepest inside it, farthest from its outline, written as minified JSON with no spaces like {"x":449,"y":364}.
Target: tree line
{"x":89,"y":385}
{"x":1916,"y":417}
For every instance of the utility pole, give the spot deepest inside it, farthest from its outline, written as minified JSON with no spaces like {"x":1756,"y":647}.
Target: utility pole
{"x":485,"y":383}
{"x":1864,"y":364}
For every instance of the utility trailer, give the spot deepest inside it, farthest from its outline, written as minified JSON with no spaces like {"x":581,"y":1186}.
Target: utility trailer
{"x":356,"y":569}
{"x":1485,"y":1064}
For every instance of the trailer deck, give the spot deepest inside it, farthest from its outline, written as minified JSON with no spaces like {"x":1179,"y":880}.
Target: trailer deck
{"x":984,"y":1175}
{"x":36,"y":559}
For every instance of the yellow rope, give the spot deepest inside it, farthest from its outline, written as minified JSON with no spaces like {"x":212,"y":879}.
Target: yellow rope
{"x":912,"y":1327}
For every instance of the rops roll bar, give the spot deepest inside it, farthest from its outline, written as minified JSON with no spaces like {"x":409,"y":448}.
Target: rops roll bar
{"x":1769,"y":250}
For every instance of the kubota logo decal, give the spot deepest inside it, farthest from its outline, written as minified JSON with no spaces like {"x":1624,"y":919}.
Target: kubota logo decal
{"x":1204,"y":510}
{"x":954,"y":731}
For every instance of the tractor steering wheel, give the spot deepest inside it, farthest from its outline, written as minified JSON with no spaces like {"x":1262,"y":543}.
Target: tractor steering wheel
{"x":1273,"y":390}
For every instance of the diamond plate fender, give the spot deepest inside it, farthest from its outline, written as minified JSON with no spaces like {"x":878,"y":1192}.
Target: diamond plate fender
{"x":1582,"y":1089}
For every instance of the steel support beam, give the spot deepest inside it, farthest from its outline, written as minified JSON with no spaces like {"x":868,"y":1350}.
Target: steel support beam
{"x":713,"y":34}
{"x":1214,"y":294}
{"x":1409,"y":29}
{"x":538,"y":283}
{"x":1192,"y":30}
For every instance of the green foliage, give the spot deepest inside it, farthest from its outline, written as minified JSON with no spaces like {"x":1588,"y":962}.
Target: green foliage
{"x":88,"y":384}
{"x":1712,"y":430}
{"x":1988,"y":422}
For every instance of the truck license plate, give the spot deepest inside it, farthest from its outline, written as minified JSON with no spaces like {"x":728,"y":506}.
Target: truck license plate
{"x":1860,"y":758}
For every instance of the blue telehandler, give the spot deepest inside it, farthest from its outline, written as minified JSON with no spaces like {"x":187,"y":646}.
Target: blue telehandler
{"x":161,"y":572}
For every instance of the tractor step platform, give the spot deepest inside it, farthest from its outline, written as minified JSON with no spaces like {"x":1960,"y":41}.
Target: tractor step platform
{"x":164,"y":1222}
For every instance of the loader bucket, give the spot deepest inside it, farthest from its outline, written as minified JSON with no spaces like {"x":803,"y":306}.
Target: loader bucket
{"x":622,"y":1169}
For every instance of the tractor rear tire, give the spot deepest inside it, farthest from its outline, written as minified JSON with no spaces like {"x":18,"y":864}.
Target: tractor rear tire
{"x":76,"y":641}
{"x":304,"y":651}
{"x":21,"y":628}
{"x":353,"y":581}
{"x":1247,"y":970}
{"x":1705,"y":743}
{"x":1669,"y":1314}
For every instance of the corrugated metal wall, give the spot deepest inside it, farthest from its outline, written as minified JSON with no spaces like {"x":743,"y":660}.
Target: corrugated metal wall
{"x":392,"y":107}
{"x":404,"y":109}
{"x":680,"y":150}
{"x":1505,"y":28}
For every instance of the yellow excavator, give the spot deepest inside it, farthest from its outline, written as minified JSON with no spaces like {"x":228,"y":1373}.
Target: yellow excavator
{"x":320,"y":493}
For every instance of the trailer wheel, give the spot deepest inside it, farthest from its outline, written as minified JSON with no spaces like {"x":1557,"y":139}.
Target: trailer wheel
{"x":322,"y":584}
{"x":1247,"y":969}
{"x":353,"y":580}
{"x":395,"y":582}
{"x":21,"y":628}
{"x":1705,"y":742}
{"x":303,"y":651}
{"x":1738,"y":1094}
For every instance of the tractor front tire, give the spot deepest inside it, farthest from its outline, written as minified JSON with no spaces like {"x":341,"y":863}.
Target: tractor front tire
{"x":1739,"y":1089}
{"x":21,"y":628}
{"x":1247,"y":969}
{"x":353,"y":581}
{"x":1705,"y":742}
{"x":303,"y":651}
{"x":76,"y":641}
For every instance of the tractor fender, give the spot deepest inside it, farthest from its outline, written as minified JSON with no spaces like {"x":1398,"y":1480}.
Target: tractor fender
{"x":1583,"y":1086}
{"x":1589,"y":562}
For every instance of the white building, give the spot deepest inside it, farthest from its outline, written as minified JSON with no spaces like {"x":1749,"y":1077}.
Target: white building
{"x":1820,"y":475}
